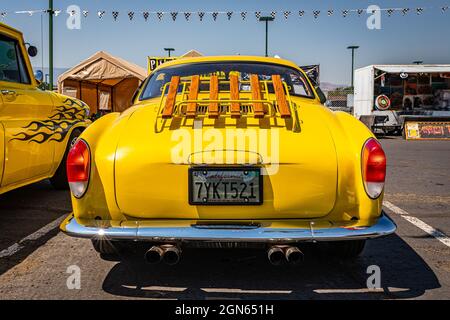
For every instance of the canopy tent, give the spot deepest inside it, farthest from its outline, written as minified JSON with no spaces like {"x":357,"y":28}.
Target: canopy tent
{"x":191,"y":54}
{"x":106,"y":83}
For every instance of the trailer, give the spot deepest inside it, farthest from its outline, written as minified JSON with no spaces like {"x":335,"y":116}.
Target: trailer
{"x":409,"y":99}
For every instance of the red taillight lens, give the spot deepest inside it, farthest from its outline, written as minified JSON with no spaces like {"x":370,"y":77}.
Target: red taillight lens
{"x":78,"y":168}
{"x":373,"y":168}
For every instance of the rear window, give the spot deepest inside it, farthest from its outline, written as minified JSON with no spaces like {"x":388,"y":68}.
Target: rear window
{"x":296,"y":81}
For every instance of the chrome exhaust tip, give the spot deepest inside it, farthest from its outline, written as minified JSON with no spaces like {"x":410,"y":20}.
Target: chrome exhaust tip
{"x":154,"y":255}
{"x":275,"y":255}
{"x":171,"y":254}
{"x":294,"y":255}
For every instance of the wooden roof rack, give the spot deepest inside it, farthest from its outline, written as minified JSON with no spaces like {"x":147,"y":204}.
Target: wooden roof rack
{"x":171,"y":97}
{"x":193,"y":95}
{"x":237,"y":104}
{"x":283,"y":107}
{"x":213,"y":97}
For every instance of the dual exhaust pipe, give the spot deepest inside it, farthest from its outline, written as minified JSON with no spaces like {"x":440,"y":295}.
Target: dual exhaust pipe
{"x":277,"y":255}
{"x":168,"y":253}
{"x":171,"y":254}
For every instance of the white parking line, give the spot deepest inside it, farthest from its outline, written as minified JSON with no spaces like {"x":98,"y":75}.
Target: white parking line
{"x":361,"y":290}
{"x":419,"y":223}
{"x":16,"y":247}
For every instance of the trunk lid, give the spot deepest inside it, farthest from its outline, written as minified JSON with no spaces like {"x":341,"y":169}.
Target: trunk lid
{"x":154,"y":155}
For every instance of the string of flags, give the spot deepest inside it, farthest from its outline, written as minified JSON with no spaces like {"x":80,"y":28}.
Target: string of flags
{"x":159,"y":15}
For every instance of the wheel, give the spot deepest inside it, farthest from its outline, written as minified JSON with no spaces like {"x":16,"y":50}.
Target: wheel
{"x":59,"y":179}
{"x":345,"y":249}
{"x":105,"y":247}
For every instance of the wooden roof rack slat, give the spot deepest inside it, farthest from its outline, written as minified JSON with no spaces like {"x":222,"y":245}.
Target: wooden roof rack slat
{"x":213,"y":95}
{"x":258,"y":109}
{"x":234,"y":95}
{"x":193,"y":95}
{"x":283,"y":106}
{"x":171,"y":97}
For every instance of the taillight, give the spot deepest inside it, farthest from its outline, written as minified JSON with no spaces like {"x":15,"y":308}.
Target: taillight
{"x":373,"y":168}
{"x":78,"y":168}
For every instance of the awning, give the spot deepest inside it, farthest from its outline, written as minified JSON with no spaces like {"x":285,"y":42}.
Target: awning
{"x":413,"y":68}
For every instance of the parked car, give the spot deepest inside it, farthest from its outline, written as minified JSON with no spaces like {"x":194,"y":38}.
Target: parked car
{"x":173,"y":171}
{"x":37,"y":127}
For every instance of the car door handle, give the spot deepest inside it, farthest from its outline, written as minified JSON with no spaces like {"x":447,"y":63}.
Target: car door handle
{"x":8,"y":93}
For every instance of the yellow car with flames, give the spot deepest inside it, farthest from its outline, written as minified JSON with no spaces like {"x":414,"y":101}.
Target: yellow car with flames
{"x":227,"y":152}
{"x":37,"y":127}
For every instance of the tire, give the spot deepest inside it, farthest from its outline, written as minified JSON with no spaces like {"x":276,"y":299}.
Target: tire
{"x":345,"y":249}
{"x":105,"y":247}
{"x":59,"y":179}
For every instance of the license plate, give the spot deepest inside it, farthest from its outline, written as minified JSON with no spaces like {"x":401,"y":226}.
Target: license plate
{"x":225,"y":186}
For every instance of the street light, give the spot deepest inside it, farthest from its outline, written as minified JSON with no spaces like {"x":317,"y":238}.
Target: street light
{"x":266,"y":20}
{"x":50,"y":12}
{"x":353,"y":48}
{"x":169,"y":50}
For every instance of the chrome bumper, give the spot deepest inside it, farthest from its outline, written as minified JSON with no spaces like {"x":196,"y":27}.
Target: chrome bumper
{"x":231,"y":233}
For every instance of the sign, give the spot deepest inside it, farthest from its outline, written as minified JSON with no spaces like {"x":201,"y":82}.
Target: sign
{"x":427,"y":130}
{"x":313,"y":73}
{"x":382,"y":102}
{"x":154,"y":62}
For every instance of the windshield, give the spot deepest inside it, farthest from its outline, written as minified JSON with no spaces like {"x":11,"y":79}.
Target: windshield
{"x":296,"y":81}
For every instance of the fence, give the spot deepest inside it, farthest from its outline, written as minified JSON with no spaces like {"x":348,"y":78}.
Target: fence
{"x":340,"y":99}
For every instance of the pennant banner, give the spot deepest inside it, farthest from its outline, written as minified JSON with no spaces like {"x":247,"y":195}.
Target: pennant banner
{"x":228,"y":14}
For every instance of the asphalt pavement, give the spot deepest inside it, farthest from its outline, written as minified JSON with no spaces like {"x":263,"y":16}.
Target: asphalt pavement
{"x":36,"y":260}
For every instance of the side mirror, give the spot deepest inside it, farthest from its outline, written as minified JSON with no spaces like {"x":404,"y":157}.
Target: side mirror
{"x":322,"y":97}
{"x":39,"y":76}
{"x":32,"y":51}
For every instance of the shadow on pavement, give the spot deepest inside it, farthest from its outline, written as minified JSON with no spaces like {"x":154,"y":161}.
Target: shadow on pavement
{"x":246,"y":274}
{"x":26,"y":210}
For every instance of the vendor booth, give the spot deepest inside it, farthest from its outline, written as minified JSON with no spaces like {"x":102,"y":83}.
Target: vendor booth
{"x":412,"y":98}
{"x":106,"y":83}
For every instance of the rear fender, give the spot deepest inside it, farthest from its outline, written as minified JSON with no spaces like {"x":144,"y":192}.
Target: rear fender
{"x":99,"y":200}
{"x":349,"y":141}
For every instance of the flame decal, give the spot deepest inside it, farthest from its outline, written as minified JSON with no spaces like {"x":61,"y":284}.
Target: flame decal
{"x":57,"y":126}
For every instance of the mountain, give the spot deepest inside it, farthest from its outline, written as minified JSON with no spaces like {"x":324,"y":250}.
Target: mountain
{"x":327,"y":86}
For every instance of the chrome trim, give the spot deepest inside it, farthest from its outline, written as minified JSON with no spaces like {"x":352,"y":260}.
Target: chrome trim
{"x":383,"y":227}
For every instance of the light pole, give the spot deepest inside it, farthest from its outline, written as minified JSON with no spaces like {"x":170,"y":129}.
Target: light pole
{"x":266,"y":20}
{"x":353,"y":48}
{"x":50,"y":43}
{"x":169,"y":50}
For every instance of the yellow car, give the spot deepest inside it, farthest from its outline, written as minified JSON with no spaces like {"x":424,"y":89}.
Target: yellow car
{"x":36,"y":126}
{"x":228,"y":152}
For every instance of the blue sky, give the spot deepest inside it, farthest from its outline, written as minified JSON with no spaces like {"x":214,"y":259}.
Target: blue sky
{"x":402,"y":39}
